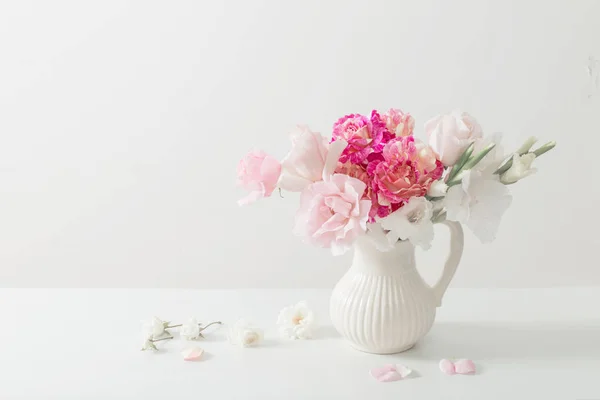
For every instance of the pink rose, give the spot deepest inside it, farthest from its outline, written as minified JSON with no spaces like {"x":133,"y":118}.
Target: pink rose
{"x":450,"y":135}
{"x":399,"y":123}
{"x":406,"y":169}
{"x":332,"y":213}
{"x":258,"y":173}
{"x":310,"y":160}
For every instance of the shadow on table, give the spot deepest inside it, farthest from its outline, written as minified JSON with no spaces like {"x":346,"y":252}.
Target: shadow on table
{"x":510,"y":341}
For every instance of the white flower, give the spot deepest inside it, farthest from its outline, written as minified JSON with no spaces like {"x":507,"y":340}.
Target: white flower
{"x":437,"y":189}
{"x":245,"y":334}
{"x":311,"y":159}
{"x":379,"y":237}
{"x":411,"y":221}
{"x":190,"y":330}
{"x":296,"y":322}
{"x":479,"y":202}
{"x":520,"y":168}
{"x":155,"y":328}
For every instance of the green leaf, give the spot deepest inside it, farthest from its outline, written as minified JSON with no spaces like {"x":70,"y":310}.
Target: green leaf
{"x":544,"y":149}
{"x":475,"y":160}
{"x":461,"y":162}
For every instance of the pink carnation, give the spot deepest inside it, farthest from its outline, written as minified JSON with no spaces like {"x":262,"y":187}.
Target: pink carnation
{"x":258,"y":173}
{"x":363,"y":135}
{"x":332,"y":213}
{"x":398,"y":122}
{"x":405,"y":169}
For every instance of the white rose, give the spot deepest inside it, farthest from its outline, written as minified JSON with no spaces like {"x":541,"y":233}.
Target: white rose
{"x":190,"y":330}
{"x":296,"y":322}
{"x":450,"y":135}
{"x":245,"y":334}
{"x":155,"y":328}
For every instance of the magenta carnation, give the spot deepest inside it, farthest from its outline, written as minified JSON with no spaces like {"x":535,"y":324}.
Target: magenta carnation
{"x":405,"y":169}
{"x":364,"y":136}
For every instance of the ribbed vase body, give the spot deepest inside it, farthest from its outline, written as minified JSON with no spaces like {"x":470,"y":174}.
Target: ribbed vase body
{"x":382,"y":305}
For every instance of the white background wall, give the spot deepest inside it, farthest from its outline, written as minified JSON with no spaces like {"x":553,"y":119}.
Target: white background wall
{"x":121,"y":124}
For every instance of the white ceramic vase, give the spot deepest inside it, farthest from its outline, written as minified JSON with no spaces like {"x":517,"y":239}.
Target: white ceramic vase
{"x":382,"y":304}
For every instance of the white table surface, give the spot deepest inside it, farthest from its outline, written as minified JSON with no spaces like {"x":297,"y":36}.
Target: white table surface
{"x":84,"y":344}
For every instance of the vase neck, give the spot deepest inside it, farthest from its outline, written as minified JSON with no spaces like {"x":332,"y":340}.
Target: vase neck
{"x":367,"y":259}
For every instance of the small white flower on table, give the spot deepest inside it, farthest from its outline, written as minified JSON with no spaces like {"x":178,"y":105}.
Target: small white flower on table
{"x":245,"y":334}
{"x":190,"y":330}
{"x":155,"y":328}
{"x":297,"y":322}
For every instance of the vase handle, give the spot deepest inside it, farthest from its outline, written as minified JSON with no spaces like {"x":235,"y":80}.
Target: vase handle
{"x":457,"y":241}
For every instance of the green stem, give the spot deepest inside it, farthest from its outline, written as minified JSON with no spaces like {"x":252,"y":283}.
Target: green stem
{"x":212,"y":323}
{"x":158,"y":340}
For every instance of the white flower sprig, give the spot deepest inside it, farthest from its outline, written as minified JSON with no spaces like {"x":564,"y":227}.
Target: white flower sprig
{"x":192,"y":330}
{"x":158,"y":330}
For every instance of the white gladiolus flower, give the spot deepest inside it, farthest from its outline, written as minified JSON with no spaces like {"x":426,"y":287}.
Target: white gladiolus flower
{"x":520,"y":168}
{"x":479,"y":202}
{"x":411,"y":221}
{"x":190,"y":330}
{"x":379,"y":237}
{"x":296,"y":322}
{"x":245,"y":334}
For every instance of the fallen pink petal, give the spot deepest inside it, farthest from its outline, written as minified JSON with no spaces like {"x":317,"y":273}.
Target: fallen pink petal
{"x":192,"y":354}
{"x":447,"y":367}
{"x":465,"y":367}
{"x":462,"y":367}
{"x":391,"y":372}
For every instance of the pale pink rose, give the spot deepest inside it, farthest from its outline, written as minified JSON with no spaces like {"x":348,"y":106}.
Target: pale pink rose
{"x":310,"y":160}
{"x":332,"y":213}
{"x":450,"y":135}
{"x":398,"y":122}
{"x":258,"y":173}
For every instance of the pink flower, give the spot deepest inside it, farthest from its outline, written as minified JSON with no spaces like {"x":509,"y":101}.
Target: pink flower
{"x":310,"y":160}
{"x":450,"y":135}
{"x":399,"y":123}
{"x":406,"y":169}
{"x":332,"y":213}
{"x":258,"y":173}
{"x":363,"y":135}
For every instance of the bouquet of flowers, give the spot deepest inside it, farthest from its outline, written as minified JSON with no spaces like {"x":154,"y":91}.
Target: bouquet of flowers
{"x":374,"y":178}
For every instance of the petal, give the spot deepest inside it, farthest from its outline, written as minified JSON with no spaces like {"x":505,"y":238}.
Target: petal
{"x":403,"y":370}
{"x":465,"y":367}
{"x":192,"y":354}
{"x":447,"y":367}
{"x":333,"y":155}
{"x":387,"y":373}
{"x":291,"y":182}
{"x":250,"y":198}
{"x":391,"y":372}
